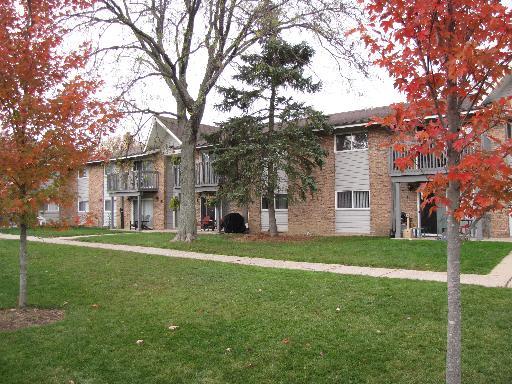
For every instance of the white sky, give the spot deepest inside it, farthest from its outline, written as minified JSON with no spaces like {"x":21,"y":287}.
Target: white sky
{"x":336,"y":95}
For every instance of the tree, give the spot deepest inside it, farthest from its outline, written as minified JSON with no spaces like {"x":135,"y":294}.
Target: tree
{"x":174,"y":40}
{"x":446,"y":56}
{"x":275,"y":140}
{"x":50,"y":119}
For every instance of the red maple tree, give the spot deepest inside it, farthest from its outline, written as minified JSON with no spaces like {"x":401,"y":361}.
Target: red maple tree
{"x":50,"y":118}
{"x":446,"y":56}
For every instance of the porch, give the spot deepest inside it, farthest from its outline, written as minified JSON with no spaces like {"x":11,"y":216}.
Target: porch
{"x":206,"y":177}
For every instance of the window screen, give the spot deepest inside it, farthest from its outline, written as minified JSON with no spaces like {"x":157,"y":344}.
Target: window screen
{"x":281,"y":201}
{"x":344,"y":199}
{"x":361,"y":199}
{"x":83,"y":206}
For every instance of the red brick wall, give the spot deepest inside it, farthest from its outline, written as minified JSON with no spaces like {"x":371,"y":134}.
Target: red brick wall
{"x":159,"y":206}
{"x":316,"y":215}
{"x":409,"y":203}
{"x":96,"y":203}
{"x":380,"y":182}
{"x":498,"y":221}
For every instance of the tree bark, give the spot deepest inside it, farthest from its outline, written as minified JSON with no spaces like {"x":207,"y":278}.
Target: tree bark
{"x":272,"y":224}
{"x":22,"y":298}
{"x":453,"y":340}
{"x":453,"y":346}
{"x":187,"y":226}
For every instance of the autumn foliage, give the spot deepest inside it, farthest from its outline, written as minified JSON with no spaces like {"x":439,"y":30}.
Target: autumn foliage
{"x":50,"y":117}
{"x":446,"y":56}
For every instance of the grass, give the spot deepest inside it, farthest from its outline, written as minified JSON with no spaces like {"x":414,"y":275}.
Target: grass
{"x":281,"y":326}
{"x":47,"y":231}
{"x":477,"y":257}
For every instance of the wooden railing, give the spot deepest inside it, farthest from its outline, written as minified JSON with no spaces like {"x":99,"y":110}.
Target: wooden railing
{"x":428,"y":164}
{"x":423,"y":164}
{"x":133,"y":181}
{"x":205,"y":175}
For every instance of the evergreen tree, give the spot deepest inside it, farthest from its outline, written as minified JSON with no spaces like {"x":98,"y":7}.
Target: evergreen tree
{"x":275,"y":140}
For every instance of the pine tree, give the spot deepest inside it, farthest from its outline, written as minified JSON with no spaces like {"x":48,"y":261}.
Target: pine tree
{"x":275,"y":140}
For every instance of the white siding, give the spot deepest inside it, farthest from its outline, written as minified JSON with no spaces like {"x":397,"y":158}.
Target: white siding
{"x":352,"y":171}
{"x":83,"y":193}
{"x":355,"y":221}
{"x":281,"y":220}
{"x":107,"y":214}
{"x":352,"y":174}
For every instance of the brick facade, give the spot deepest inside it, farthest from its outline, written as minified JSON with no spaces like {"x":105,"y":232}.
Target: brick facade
{"x":159,"y":206}
{"x":380,"y":182}
{"x":316,"y":215}
{"x":96,"y":198}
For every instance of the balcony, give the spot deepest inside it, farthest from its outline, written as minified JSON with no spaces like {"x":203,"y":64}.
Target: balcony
{"x":428,"y":164}
{"x":132,"y":181}
{"x":205,"y":175}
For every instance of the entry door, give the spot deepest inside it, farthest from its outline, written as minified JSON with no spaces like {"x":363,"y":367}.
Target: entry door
{"x":429,"y":220}
{"x":147,"y":211}
{"x":207,"y":210}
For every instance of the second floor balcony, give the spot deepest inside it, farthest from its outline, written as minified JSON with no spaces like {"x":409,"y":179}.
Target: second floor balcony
{"x":428,"y":164}
{"x":204,"y":172}
{"x":133,"y":181}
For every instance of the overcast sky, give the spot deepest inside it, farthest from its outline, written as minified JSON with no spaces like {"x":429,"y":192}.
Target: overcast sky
{"x":337,"y":95}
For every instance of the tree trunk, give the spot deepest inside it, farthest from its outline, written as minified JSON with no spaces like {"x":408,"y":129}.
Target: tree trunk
{"x":272,"y":224}
{"x":187,"y":226}
{"x":453,"y":340}
{"x":22,"y":298}
{"x":271,"y":176}
{"x":453,"y":346}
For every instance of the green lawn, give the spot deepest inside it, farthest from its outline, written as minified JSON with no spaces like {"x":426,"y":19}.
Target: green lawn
{"x":388,"y":331}
{"x":477,"y":257}
{"x":58,"y":232}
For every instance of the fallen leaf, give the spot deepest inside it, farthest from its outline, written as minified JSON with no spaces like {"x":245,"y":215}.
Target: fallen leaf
{"x":139,"y":342}
{"x":95,"y":306}
{"x":285,"y":341}
{"x":338,"y":309}
{"x":173,"y":327}
{"x":228,"y":349}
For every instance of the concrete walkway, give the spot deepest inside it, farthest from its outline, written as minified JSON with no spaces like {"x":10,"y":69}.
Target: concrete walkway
{"x":500,"y":276}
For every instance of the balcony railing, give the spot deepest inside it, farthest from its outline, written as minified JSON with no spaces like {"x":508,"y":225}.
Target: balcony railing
{"x":133,"y":181}
{"x":205,"y":175}
{"x":428,"y":164}
{"x":423,"y":164}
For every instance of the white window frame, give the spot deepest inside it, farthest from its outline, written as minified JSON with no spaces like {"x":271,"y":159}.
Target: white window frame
{"x":86,"y":173}
{"x":352,"y":209}
{"x":87,"y":206}
{"x":351,"y":133}
{"x":51,"y":210}
{"x":276,"y":209}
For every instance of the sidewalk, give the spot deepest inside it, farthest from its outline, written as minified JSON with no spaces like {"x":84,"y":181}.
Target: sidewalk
{"x":500,"y":276}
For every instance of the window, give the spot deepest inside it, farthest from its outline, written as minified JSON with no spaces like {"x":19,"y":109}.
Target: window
{"x":353,"y":200}
{"x":51,"y":207}
{"x":109,"y":168}
{"x":509,"y":130}
{"x":143,"y":165}
{"x":82,"y":173}
{"x":108,"y":205}
{"x":83,"y":206}
{"x":352,"y":141}
{"x":280,"y":201}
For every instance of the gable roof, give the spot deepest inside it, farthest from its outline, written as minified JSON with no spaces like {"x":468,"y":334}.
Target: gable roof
{"x":172,"y":125}
{"x":359,"y":116}
{"x":504,"y":89}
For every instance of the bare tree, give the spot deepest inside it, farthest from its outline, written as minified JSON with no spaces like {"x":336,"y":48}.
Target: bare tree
{"x":171,"y":39}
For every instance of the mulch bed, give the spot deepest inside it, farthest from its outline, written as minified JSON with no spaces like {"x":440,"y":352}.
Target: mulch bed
{"x":13,"y":318}
{"x":281,"y":238}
